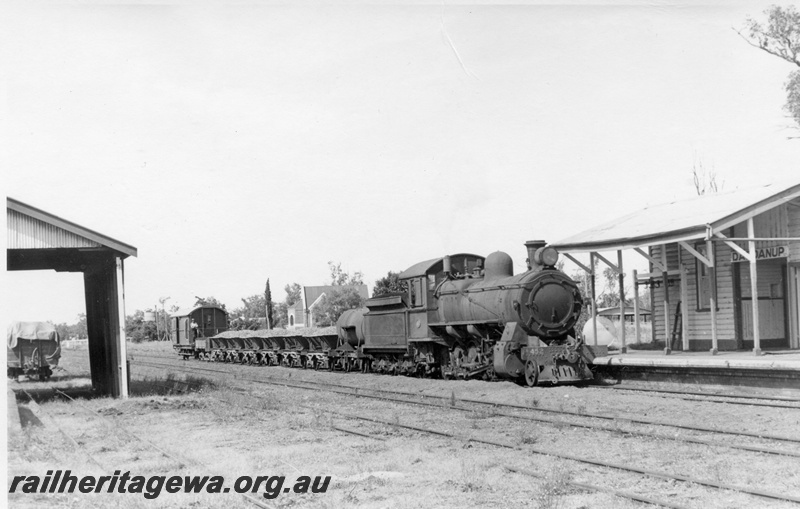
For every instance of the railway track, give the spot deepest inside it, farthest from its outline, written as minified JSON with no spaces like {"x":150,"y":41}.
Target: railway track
{"x":528,"y":449}
{"x":730,"y":399}
{"x":497,"y":408}
{"x":711,"y":397}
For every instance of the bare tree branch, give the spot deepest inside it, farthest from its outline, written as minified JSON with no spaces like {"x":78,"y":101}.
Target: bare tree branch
{"x":762,"y":46}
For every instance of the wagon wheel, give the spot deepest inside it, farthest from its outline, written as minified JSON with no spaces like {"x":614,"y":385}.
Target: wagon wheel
{"x":531,"y":373}
{"x":33,"y":360}
{"x":347,"y":365}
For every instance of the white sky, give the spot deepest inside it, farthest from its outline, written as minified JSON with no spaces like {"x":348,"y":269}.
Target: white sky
{"x":235,"y":143}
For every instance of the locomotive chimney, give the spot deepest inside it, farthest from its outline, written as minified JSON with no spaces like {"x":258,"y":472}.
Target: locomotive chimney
{"x":532,"y":246}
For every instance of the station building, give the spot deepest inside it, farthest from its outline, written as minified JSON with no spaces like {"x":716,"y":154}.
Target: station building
{"x":724,"y":269}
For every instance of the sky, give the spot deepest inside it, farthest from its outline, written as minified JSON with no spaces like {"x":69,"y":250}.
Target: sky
{"x":235,"y":142}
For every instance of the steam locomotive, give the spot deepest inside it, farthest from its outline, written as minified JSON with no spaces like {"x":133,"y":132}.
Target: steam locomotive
{"x":462,"y":316}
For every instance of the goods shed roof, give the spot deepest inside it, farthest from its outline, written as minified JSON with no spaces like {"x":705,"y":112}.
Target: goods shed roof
{"x":681,"y":220}
{"x":40,"y":240}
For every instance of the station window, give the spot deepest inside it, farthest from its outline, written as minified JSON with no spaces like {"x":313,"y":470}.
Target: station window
{"x":703,"y":280}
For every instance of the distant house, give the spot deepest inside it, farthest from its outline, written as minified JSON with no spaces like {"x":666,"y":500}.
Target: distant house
{"x":302,"y":313}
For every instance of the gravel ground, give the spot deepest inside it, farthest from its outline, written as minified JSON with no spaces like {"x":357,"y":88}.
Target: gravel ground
{"x":233,"y":428}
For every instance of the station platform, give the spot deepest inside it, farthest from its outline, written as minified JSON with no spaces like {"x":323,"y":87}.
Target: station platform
{"x":740,"y":359}
{"x":775,"y":369}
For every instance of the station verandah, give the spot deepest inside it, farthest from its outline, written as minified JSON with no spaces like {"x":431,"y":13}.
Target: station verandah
{"x":724,"y":269}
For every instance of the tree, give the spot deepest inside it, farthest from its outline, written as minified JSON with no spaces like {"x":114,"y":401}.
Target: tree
{"x":247,"y":316}
{"x":269,"y":305}
{"x":334,"y":303}
{"x":137,"y":330}
{"x":280,"y":315}
{"x":780,"y":37}
{"x":208,"y":301}
{"x":292,"y":293}
{"x":280,"y":310}
{"x":77,"y":330}
{"x":339,"y":277}
{"x":388,"y":284}
{"x":704,"y":182}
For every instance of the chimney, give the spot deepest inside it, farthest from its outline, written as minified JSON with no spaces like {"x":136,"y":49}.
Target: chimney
{"x":532,"y":246}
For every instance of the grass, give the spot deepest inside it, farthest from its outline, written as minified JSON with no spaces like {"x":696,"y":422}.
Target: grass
{"x":553,"y":488}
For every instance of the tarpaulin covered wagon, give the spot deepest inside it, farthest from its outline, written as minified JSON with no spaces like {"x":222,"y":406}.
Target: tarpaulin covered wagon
{"x":33,"y":349}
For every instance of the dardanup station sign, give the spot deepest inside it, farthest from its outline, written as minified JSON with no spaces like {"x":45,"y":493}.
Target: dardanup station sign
{"x":763,"y":253}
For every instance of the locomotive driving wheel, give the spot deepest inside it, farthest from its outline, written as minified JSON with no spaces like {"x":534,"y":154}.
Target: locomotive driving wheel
{"x":459,"y":356}
{"x":473,"y":353}
{"x":531,"y":373}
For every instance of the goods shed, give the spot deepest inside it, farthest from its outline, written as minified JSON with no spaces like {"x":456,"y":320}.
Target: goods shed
{"x":724,"y":269}
{"x":38,"y":240}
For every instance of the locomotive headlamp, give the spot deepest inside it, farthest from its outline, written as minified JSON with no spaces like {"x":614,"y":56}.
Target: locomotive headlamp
{"x":547,"y":256}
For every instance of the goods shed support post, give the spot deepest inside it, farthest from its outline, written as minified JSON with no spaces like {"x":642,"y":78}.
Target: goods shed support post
{"x":105,"y":321}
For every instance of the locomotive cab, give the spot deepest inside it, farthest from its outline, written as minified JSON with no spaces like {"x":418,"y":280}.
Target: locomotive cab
{"x":397,"y":326}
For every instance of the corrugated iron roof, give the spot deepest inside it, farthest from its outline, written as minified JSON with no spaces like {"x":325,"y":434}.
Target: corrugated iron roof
{"x":60,"y":232}
{"x":681,"y":220}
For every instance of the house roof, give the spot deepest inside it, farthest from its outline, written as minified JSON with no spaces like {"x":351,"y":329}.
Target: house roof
{"x":51,"y":231}
{"x":681,"y":220}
